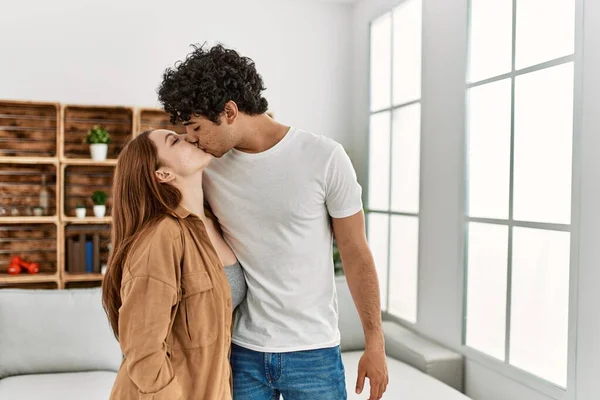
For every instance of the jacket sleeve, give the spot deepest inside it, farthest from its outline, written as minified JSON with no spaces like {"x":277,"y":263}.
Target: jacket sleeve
{"x":148,"y":297}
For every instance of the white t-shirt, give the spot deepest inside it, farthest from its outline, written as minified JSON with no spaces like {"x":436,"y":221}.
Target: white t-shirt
{"x":274,"y":210}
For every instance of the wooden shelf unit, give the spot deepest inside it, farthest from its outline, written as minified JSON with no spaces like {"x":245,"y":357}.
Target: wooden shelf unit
{"x":47,"y":138}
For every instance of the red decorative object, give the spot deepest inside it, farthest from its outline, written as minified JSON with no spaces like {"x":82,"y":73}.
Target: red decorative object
{"x":17,"y":264}
{"x":14,"y":269}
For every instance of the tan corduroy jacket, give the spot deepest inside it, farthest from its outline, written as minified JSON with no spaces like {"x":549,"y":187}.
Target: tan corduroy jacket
{"x":175,"y":321}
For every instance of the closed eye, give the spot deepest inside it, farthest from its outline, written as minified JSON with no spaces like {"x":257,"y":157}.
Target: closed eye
{"x":175,"y":141}
{"x":196,"y":129}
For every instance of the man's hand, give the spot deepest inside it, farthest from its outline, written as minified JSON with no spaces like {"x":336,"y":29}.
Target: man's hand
{"x":373,"y":365}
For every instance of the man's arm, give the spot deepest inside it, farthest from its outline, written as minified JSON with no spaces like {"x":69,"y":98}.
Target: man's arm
{"x":361,"y":276}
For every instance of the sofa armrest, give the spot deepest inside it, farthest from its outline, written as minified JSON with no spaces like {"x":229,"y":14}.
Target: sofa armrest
{"x":424,"y":355}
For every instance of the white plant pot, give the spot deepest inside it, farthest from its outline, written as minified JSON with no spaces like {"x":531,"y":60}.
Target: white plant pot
{"x":99,"y":211}
{"x":98,"y":151}
{"x":80,"y":212}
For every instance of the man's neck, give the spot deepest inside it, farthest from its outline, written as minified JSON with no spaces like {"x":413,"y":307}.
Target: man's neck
{"x":261,"y":133}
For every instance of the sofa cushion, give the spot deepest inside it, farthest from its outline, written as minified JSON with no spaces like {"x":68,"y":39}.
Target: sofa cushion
{"x":70,"y":386}
{"x":405,"y":382}
{"x":47,"y":331}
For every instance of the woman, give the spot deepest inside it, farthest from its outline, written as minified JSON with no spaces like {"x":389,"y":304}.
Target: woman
{"x":166,"y":292}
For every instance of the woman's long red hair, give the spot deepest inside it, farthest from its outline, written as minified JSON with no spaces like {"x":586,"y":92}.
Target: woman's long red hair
{"x":139,"y":203}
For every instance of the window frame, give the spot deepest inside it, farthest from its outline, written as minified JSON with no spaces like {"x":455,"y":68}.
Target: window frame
{"x":504,"y":367}
{"x":386,"y":315}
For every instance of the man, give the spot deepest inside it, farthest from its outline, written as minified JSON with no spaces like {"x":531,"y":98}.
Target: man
{"x":278,"y":192}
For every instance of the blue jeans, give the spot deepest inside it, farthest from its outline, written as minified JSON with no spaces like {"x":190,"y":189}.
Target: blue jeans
{"x":300,"y":375}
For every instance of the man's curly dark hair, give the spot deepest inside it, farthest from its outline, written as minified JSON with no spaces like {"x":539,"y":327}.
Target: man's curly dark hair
{"x":206,"y":80}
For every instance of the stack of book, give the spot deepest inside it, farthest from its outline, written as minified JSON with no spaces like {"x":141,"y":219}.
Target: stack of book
{"x":83,"y":254}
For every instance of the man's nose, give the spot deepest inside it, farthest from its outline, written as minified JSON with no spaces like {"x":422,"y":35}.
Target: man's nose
{"x":189,"y":138}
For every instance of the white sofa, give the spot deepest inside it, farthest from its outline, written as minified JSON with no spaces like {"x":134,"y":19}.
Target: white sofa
{"x":57,"y":345}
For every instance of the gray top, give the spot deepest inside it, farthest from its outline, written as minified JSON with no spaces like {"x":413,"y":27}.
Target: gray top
{"x":237,"y":283}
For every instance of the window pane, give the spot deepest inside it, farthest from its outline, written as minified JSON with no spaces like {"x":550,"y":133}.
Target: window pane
{"x":407,"y":51}
{"x":404,"y":260}
{"x":490,"y":39}
{"x":379,"y":161}
{"x":540,"y":303}
{"x":406,"y":158}
{"x":381,"y":62}
{"x":543,"y":145}
{"x":545,"y":31}
{"x":489,"y":112}
{"x":486,"y":288}
{"x":378,"y":234}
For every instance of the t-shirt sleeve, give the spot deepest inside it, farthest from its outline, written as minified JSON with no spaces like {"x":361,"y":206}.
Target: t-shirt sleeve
{"x":343,"y":194}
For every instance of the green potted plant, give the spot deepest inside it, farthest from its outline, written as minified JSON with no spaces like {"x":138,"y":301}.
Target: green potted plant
{"x":98,"y":138}
{"x":80,"y":210}
{"x":99,"y":198}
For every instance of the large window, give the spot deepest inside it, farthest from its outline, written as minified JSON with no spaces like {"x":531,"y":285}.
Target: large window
{"x":394,"y":155}
{"x":520,"y":135}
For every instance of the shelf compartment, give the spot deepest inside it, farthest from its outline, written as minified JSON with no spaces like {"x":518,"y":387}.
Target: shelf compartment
{"x":83,"y":245}
{"x":28,"y":129}
{"x":33,"y":243}
{"x":77,"y":120}
{"x":79,"y":182}
{"x":20,"y":187}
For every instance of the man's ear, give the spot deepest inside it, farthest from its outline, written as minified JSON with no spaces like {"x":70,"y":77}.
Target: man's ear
{"x":230,"y":113}
{"x":164,"y":175}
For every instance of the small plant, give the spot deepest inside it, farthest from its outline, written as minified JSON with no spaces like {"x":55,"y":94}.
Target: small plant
{"x":79,"y":205}
{"x":99,"y":198}
{"x":97,"y":135}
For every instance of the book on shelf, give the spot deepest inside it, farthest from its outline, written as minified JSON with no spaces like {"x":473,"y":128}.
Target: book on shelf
{"x":70,"y":250}
{"x":96,"y":241}
{"x":89,"y":256}
{"x":81,"y":254}
{"x":76,"y":254}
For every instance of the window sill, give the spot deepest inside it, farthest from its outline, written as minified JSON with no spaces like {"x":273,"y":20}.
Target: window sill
{"x":508,"y":371}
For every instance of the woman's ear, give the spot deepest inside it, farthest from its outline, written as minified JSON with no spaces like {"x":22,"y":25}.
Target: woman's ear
{"x":164,"y":175}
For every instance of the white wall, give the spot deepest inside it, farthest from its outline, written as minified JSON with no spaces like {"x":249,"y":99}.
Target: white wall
{"x":113,"y":52}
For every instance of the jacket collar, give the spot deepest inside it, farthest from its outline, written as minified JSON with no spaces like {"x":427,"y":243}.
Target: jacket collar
{"x":182,"y":212}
